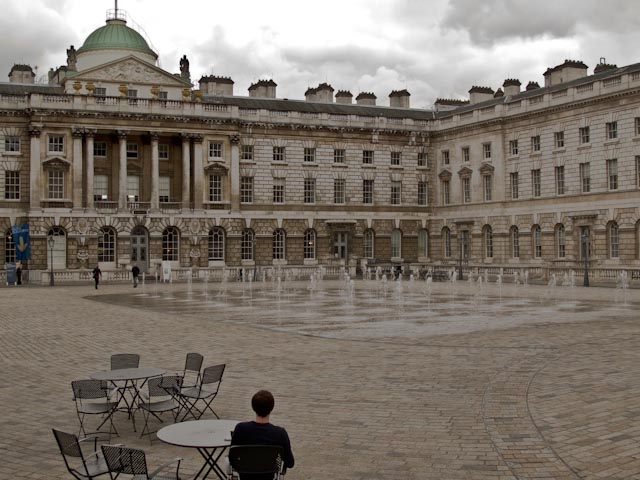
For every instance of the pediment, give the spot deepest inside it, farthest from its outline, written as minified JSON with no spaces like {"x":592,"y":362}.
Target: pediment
{"x":56,"y":163}
{"x":129,"y":70}
{"x":486,"y":168}
{"x":445,"y":175}
{"x":465,"y":172}
{"x":216,"y":168}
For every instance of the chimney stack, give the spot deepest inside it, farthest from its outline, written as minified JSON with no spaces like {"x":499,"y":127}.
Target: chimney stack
{"x":366,"y":98}
{"x":480,"y":94}
{"x":399,"y":99}
{"x":344,"y":97}
{"x":263,"y":89}
{"x":511,"y":86}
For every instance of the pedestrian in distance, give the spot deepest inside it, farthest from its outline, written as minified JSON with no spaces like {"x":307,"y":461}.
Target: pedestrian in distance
{"x":97,"y":275}
{"x":135,"y":271}
{"x":19,"y":274}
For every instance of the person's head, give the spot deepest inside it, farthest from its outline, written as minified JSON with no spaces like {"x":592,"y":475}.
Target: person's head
{"x":262,"y":403}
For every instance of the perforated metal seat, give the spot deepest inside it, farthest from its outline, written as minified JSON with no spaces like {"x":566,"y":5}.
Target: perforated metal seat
{"x":161,"y":397}
{"x":205,"y":392}
{"x":263,"y":460}
{"x":92,"y":398}
{"x":131,"y":461}
{"x":79,"y":465}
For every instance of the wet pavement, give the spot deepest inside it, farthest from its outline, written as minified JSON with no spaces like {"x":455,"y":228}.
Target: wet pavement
{"x":372,"y":380}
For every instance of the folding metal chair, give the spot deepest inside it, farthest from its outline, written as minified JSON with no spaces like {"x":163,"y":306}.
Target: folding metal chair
{"x":256,"y":460}
{"x":92,"y":398}
{"x":162,"y":397}
{"x":192,"y":367}
{"x":131,"y":461}
{"x":205,"y":392}
{"x":88,"y":467}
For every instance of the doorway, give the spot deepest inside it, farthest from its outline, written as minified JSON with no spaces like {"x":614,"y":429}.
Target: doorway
{"x":140,"y":248}
{"x":340,"y":245}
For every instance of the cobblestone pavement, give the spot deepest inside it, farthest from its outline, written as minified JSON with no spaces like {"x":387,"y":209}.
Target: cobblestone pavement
{"x":548,"y":391}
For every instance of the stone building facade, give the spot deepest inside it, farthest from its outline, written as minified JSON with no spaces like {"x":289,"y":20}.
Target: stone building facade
{"x":118,"y":161}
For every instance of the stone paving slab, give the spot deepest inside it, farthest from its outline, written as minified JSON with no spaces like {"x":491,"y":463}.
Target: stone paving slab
{"x":536,"y":398}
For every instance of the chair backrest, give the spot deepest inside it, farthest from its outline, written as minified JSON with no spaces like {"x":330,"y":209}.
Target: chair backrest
{"x":68,"y":444}
{"x":163,"y":386}
{"x":89,"y":389}
{"x":256,"y":458}
{"x":129,"y":461}
{"x":213,"y":374}
{"x":193,"y":363}
{"x":124,"y":360}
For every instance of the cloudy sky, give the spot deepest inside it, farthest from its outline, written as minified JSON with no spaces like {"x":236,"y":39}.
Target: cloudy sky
{"x":434,"y":48}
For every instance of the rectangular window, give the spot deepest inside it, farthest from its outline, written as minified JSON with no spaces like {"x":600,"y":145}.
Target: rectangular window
{"x":163,"y":151}
{"x":309,"y":154}
{"x":487,"y":181}
{"x":12,"y":185}
{"x":100,"y":187}
{"x":612,"y":130}
{"x":396,"y":193}
{"x":100,"y":92}
{"x":445,"y":157}
{"x":612,"y":174}
{"x":514,"y":185}
{"x":559,"y":180}
{"x":446,"y":193}
{"x":466,"y":157}
{"x":423,"y":198}
{"x":535,"y":143}
{"x":278,"y":190}
{"x":422,"y":159}
{"x":215,"y":151}
{"x":246,"y":153}
{"x":637,"y":126}
{"x":56,"y":144}
{"x":56,"y":185}
{"x":215,"y":188}
{"x":279,"y":154}
{"x":396,"y":158}
{"x":585,"y":177}
{"x":99,"y":149}
{"x":536,"y":185}
{"x":513,"y":147}
{"x":246,"y":189}
{"x":486,"y":150}
{"x":164,"y":189}
{"x":466,"y":190}
{"x":339,"y":155}
{"x":309,"y":190}
{"x":163,"y":95}
{"x":367,"y":192}
{"x":584,"y":135}
{"x":339,"y":191}
{"x":367,"y":157}
{"x":133,"y":188}
{"x":12,"y":144}
{"x":132,"y":151}
{"x":132,"y":95}
{"x":558,"y":138}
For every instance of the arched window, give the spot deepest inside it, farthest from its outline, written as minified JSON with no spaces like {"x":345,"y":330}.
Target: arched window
{"x":9,"y":248}
{"x":446,"y":242}
{"x":560,"y":241}
{"x":396,"y":243}
{"x":614,"y":240}
{"x":423,"y":243}
{"x":515,"y":242}
{"x":107,"y":245}
{"x":171,"y":244}
{"x":487,"y":235}
{"x":246,"y":244}
{"x":216,"y":245}
{"x":537,"y":241}
{"x":59,"y":251}
{"x":310,"y":244}
{"x":368,"y":242}
{"x":278,"y":244}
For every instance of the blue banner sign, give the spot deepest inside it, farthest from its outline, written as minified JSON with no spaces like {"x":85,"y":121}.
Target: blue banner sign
{"x":21,"y":241}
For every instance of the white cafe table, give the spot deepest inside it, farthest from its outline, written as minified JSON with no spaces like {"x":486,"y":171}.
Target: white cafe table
{"x":210,"y":437}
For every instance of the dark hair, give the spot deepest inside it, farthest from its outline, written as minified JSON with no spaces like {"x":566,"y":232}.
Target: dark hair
{"x":262,"y":403}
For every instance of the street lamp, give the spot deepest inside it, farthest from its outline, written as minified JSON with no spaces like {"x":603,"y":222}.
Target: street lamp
{"x":585,"y":254}
{"x":51,"y":242}
{"x":460,"y":277}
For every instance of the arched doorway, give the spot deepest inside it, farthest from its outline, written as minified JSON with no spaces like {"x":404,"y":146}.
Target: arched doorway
{"x":140,"y":247}
{"x":59,"y":251}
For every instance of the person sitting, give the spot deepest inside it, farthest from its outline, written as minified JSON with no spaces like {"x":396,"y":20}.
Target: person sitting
{"x":262,"y":432}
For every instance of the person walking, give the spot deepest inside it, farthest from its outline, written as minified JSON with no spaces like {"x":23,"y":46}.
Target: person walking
{"x":135,"y":271}
{"x":19,"y":274}
{"x":97,"y":275}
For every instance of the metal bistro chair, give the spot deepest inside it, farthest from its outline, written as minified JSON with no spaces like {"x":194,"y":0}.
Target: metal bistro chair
{"x":256,"y":460}
{"x":120,"y":361}
{"x":88,"y":467}
{"x":92,"y":398}
{"x":131,"y":461}
{"x":205,"y":392}
{"x":192,"y":367}
{"x":162,"y":397}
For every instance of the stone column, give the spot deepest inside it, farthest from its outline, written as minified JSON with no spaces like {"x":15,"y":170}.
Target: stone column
{"x":77,"y":195}
{"x":155,"y":172}
{"x":35,"y":170}
{"x":186,"y":165}
{"x":198,"y":177}
{"x":89,"y":133}
{"x":234,"y":172}
{"x":122,"y":169}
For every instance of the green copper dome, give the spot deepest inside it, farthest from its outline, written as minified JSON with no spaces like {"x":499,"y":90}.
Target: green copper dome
{"x":116,"y":34}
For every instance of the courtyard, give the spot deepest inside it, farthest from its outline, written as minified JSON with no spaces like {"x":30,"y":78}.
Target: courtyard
{"x":372,"y":380}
